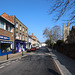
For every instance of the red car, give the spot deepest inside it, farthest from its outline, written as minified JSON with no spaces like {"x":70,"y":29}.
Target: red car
{"x":33,"y":49}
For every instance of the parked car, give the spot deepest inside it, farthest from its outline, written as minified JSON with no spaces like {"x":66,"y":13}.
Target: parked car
{"x":33,"y":48}
{"x":37,"y":47}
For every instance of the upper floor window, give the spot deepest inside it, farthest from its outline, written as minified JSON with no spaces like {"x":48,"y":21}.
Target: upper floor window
{"x":20,"y":36}
{"x":23,"y":37}
{"x":23,"y":29}
{"x":7,"y":27}
{"x":16,"y":34}
{"x":20,"y":27}
{"x":16,"y":25}
{"x":26,"y":30}
{"x":2,"y":24}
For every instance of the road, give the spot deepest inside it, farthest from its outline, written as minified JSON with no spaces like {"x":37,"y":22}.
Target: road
{"x":35,"y":63}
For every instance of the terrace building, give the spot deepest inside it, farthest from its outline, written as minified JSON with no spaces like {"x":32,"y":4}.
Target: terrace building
{"x":6,"y":36}
{"x":21,"y":32}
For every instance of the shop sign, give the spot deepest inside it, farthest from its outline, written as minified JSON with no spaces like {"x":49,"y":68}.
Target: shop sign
{"x":6,"y":42}
{"x":4,"y":37}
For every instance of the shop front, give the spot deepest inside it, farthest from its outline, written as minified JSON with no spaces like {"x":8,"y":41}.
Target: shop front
{"x":28,"y":45}
{"x":5,"y":46}
{"x":20,"y":45}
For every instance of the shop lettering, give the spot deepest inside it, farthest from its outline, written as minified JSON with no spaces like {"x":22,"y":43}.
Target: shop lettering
{"x":4,"y":37}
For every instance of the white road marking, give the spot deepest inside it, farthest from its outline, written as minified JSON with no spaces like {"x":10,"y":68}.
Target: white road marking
{"x":2,"y":66}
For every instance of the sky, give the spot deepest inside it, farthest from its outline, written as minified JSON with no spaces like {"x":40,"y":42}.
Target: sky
{"x":32,"y":13}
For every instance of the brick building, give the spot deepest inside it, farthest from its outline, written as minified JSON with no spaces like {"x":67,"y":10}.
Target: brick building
{"x":6,"y":36}
{"x":21,"y":32}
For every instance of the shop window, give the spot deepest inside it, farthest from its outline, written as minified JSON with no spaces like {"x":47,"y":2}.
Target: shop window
{"x":5,"y":47}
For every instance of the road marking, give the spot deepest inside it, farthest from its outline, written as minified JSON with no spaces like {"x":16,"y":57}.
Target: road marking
{"x":2,"y":66}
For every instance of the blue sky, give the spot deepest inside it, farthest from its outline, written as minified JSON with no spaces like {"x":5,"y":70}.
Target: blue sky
{"x":32,"y":13}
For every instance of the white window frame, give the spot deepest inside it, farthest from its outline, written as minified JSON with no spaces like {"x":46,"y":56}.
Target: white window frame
{"x":2,"y":27}
{"x":20,"y":27}
{"x":23,"y":29}
{"x":16,"y":25}
{"x":20,"y":36}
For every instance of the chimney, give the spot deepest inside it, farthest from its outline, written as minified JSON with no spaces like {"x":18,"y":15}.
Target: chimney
{"x":32,"y":34}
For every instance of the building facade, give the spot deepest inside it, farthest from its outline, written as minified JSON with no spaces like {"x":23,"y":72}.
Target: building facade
{"x":34,"y":40}
{"x":21,"y":32}
{"x":71,"y":37}
{"x":6,"y":36}
{"x":66,"y":30}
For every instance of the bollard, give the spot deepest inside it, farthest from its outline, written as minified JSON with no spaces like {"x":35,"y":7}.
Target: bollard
{"x":7,"y":55}
{"x":22,"y":52}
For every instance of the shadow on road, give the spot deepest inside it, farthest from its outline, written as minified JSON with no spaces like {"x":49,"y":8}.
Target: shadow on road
{"x":53,"y":72}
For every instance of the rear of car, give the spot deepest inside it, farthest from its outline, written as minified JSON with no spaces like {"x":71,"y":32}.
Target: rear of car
{"x":37,"y":47}
{"x":33,"y":48}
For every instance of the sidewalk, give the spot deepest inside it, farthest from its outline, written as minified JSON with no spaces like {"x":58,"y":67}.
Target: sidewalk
{"x":12,"y":56}
{"x":65,"y":64}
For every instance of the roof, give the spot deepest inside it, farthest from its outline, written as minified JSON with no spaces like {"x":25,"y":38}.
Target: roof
{"x":5,"y":20}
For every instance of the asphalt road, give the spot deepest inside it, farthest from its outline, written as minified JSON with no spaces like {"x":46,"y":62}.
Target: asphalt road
{"x":35,"y":63}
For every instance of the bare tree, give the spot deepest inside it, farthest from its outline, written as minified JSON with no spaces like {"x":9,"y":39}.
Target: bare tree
{"x":56,"y":32}
{"x":53,"y":34}
{"x":60,"y":7}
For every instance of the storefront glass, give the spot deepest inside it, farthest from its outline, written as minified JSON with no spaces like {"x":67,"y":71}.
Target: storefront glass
{"x":5,"y":47}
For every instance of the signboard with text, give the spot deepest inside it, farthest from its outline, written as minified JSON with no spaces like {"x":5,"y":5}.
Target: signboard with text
{"x":4,"y":37}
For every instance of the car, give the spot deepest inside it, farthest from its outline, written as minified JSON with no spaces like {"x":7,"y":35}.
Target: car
{"x":33,"y":48}
{"x":37,"y":47}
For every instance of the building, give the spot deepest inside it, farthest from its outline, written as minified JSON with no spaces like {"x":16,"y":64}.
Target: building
{"x":43,"y":44}
{"x":71,"y":37}
{"x":66,"y":30}
{"x":34,"y":40}
{"x":21,"y":32}
{"x":6,"y":36}
{"x":28,"y":44}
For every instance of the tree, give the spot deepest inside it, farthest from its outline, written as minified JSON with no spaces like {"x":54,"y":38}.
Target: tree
{"x":63,"y":6}
{"x":53,"y":34}
{"x":48,"y":42}
{"x":48,"y":33}
{"x":56,"y":31}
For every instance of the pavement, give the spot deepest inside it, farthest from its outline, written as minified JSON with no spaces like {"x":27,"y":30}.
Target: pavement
{"x":11,"y":56}
{"x":65,"y":64}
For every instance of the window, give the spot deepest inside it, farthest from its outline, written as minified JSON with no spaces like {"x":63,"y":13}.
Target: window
{"x":7,"y":27}
{"x":20,"y":36}
{"x":16,"y":25}
{"x":23,"y":29}
{"x":2,"y":24}
{"x":23,"y":37}
{"x":16,"y":34}
{"x":26,"y":30}
{"x":20,"y":27}
{"x":11,"y":29}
